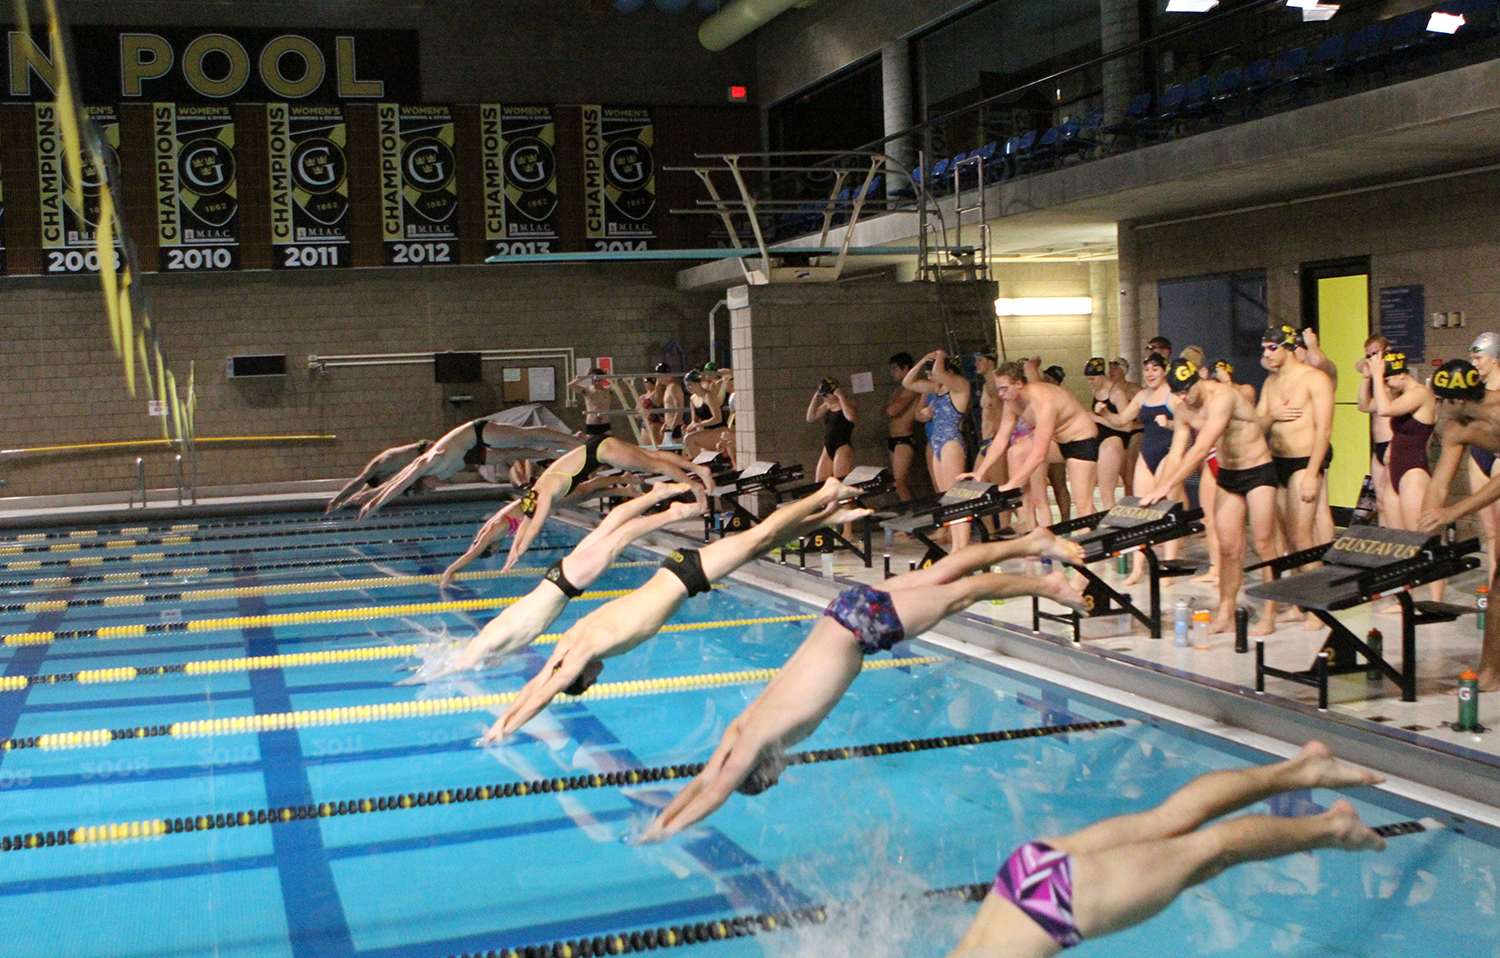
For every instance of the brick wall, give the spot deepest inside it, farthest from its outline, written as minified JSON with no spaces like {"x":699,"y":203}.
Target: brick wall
{"x":60,"y":382}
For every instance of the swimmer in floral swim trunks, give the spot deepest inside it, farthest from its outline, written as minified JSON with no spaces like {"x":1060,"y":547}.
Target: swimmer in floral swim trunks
{"x":861,"y":621}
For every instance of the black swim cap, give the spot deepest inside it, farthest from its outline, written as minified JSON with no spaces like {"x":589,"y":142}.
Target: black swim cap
{"x":1181,"y":375}
{"x":1154,"y":359}
{"x":1094,"y":367}
{"x":1395,"y":363}
{"x":1056,"y":372}
{"x":1280,"y":336}
{"x":1458,"y":379}
{"x":663,"y":368}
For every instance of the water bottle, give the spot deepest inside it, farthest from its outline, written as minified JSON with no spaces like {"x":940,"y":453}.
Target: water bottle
{"x":1468,"y":702}
{"x":827,"y":564}
{"x":1183,"y":620}
{"x":1483,"y":595}
{"x":1122,"y":563}
{"x":1376,"y":642}
{"x":1200,"y":630}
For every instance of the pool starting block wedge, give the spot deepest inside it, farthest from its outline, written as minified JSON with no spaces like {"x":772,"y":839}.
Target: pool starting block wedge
{"x":759,"y":476}
{"x":871,"y":481}
{"x":964,"y":502}
{"x":1128,"y":527}
{"x":1364,"y":564}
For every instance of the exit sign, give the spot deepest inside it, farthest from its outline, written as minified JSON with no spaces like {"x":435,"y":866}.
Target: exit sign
{"x":738,"y":94}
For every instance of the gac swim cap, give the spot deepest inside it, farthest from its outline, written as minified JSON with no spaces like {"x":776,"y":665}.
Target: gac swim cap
{"x":1094,"y":367}
{"x":1487,"y":343}
{"x":1181,"y":375}
{"x":1395,"y":363}
{"x":1279,"y":336}
{"x":1458,"y":379}
{"x":1224,"y":366}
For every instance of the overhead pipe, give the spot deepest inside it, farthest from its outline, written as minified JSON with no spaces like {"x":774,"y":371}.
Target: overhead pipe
{"x":741,"y":18}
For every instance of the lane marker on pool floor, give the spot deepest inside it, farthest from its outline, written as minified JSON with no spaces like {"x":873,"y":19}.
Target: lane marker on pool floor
{"x":384,"y":711}
{"x":116,"y":831}
{"x":127,"y":673}
{"x":291,"y":588}
{"x":301,"y":618}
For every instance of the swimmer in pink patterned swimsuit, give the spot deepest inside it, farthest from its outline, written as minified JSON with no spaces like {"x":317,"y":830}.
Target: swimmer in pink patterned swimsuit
{"x":1052,"y":894}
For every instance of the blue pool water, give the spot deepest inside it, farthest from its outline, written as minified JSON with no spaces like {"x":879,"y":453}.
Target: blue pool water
{"x":447,"y":879}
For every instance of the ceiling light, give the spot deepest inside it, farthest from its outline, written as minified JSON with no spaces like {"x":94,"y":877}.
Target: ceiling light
{"x":1445,"y":22}
{"x":1191,"y":6}
{"x":1045,"y":306}
{"x":1319,"y":11}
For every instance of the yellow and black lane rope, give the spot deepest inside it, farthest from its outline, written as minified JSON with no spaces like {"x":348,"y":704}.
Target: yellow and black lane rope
{"x":276,"y":619}
{"x":388,"y":711}
{"x":127,"y":673}
{"x":290,"y":588}
{"x":179,"y":538}
{"x":116,"y":831}
{"x":178,"y":528}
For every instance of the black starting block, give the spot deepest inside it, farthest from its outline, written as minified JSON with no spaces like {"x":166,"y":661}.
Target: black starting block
{"x":1128,"y":527}
{"x":1364,"y":564}
{"x":965,"y":501}
{"x":871,"y":481}
{"x":759,"y":476}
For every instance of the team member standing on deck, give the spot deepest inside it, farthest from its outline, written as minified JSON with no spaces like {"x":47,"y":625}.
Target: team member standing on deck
{"x":1411,"y":409}
{"x":597,"y":400}
{"x":1151,"y":408}
{"x":1223,"y":420}
{"x":1055,"y":416}
{"x":1484,"y":353}
{"x":838,"y":412}
{"x":900,"y":426}
{"x":1114,"y":441}
{"x":619,"y":626}
{"x":705,"y":426}
{"x":860,"y":622}
{"x":991,"y":410}
{"x":947,"y":394}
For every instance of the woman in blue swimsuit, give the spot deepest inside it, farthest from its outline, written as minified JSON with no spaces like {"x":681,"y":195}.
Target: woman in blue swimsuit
{"x":1149,"y":408}
{"x":947,"y":394}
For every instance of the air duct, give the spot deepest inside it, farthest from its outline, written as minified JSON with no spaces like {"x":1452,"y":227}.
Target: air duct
{"x":740,"y":19}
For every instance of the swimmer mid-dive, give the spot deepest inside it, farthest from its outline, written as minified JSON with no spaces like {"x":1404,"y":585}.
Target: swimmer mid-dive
{"x":624,"y":623}
{"x":519,"y":624}
{"x":861,"y":621}
{"x":474,"y":443}
{"x":565,"y":476}
{"x":1054,"y":893}
{"x":377,"y":471}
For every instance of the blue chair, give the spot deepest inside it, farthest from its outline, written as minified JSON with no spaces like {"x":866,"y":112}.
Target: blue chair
{"x":1168,"y":112}
{"x":1019,"y":158}
{"x":1197,"y":101}
{"x":1325,"y":60}
{"x":1403,"y":34}
{"x":1044,"y":153}
{"x":1087,"y":139}
{"x":1225,"y":91}
{"x":1129,"y":125}
{"x":937,"y":178}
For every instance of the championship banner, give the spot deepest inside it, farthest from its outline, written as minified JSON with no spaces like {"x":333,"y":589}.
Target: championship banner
{"x":520,"y":181}
{"x":197,"y":202}
{"x":70,"y":234}
{"x":418,"y":195}
{"x":309,"y":186}
{"x":619,"y":179}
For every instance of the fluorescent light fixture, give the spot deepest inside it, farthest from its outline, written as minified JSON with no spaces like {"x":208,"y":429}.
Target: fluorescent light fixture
{"x":1445,"y":22}
{"x":1319,"y":11}
{"x":1045,"y":306}
{"x":1191,"y":6}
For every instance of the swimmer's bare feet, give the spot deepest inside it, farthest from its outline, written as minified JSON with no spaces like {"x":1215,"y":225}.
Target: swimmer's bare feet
{"x":1315,"y":767}
{"x":1289,"y":614}
{"x":1266,"y":626}
{"x":1137,"y":573}
{"x":1055,"y":586}
{"x":1312,"y":623}
{"x":1211,"y":577}
{"x":1044,"y":543}
{"x":1223,"y":620}
{"x":1347,"y":832}
{"x":842,"y":515}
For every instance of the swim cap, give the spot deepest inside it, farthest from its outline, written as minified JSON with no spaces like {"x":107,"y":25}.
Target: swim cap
{"x":693,"y":377}
{"x":1224,"y":366}
{"x":986,"y":354}
{"x":710,"y":367}
{"x":1487,"y":343}
{"x":1122,"y":362}
{"x":1279,"y":336}
{"x":1154,"y":359}
{"x":1458,"y":379}
{"x":663,"y":368}
{"x":1181,"y":375}
{"x":1193,"y":354}
{"x":1395,"y":363}
{"x":1056,"y":372}
{"x":1094,"y":367}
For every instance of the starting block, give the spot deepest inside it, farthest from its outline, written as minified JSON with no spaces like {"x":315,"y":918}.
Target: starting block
{"x":1364,"y":564}
{"x":965,"y":501}
{"x":871,"y":481}
{"x":1128,"y":527}
{"x":759,"y":476}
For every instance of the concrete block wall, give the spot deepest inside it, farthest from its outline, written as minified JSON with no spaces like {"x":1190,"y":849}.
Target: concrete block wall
{"x":789,"y":337}
{"x":1063,"y":340}
{"x":60,"y":382}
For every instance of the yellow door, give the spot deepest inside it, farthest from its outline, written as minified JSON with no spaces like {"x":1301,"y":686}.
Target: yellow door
{"x":1343,"y":327}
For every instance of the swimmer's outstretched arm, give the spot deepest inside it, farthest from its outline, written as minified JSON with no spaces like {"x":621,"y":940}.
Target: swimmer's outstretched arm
{"x":496,"y":526}
{"x":1127,"y":869}
{"x":535,"y":438}
{"x":530,"y":525}
{"x":619,"y":626}
{"x":372,"y":468}
{"x":795,"y":702}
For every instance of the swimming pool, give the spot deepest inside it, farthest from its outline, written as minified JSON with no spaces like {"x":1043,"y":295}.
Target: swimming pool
{"x":177,"y":744}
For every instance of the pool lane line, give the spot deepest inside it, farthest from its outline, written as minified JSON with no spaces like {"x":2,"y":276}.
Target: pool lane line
{"x":274,"y":619}
{"x":346,"y":521}
{"x":127,"y":673}
{"x":92,"y":560}
{"x":116,"y":831}
{"x":291,"y":588}
{"x":422,"y":708}
{"x":178,"y":540}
